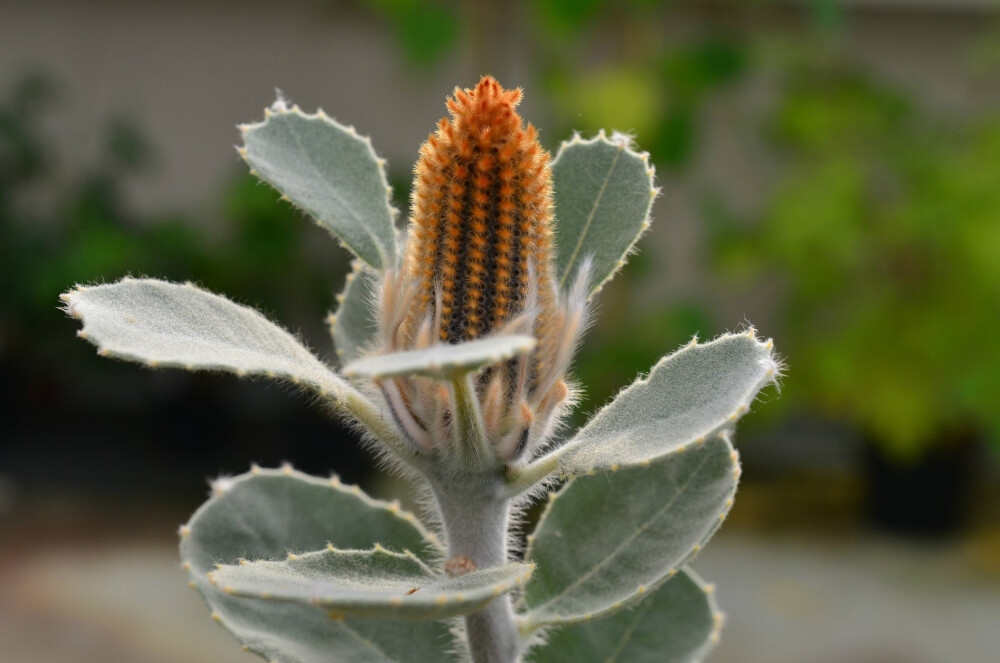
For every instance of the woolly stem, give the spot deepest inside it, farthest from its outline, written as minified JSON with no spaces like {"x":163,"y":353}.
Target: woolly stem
{"x":475,"y":511}
{"x":520,"y":479}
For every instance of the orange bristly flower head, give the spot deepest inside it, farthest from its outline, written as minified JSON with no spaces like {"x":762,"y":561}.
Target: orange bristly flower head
{"x":481,"y":234}
{"x":479,"y":261}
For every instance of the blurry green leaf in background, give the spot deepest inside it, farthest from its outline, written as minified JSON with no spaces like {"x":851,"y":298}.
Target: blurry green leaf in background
{"x":425,"y":30}
{"x":83,"y":231}
{"x":883,"y":230}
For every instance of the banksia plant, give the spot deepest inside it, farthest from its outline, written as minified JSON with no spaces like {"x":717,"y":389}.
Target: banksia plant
{"x":455,"y":339}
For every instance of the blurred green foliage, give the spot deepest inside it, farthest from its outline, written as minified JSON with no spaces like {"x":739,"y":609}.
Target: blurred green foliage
{"x":425,"y":30}
{"x":62,"y":224}
{"x":666,"y":84}
{"x":883,"y":231}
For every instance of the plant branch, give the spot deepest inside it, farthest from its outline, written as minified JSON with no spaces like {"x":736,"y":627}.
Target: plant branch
{"x":475,"y":512}
{"x":521,"y":479}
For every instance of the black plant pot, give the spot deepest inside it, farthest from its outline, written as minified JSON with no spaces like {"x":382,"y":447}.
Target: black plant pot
{"x":923,"y":498}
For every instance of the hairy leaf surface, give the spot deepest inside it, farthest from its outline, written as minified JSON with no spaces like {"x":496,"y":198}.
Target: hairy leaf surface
{"x":369,"y":583}
{"x":353,"y":326}
{"x":608,"y":537}
{"x":443,"y":361}
{"x":329,"y":171}
{"x":678,"y":623}
{"x":603,"y":195}
{"x":266,"y":514}
{"x":163,"y":324}
{"x":689,"y":395}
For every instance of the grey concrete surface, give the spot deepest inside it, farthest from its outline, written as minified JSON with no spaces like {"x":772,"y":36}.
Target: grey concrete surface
{"x":786,"y":601}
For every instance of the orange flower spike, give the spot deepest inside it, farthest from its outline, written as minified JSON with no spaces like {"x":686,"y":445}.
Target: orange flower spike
{"x":490,"y":223}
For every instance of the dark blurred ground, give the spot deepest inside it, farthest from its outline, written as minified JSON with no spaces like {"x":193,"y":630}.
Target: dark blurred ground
{"x":829,"y":173}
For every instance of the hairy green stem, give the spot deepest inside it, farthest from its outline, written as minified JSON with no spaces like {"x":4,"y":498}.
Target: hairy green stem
{"x":476,"y":510}
{"x":520,"y":479}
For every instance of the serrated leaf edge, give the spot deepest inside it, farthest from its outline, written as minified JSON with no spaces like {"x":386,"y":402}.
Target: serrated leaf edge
{"x":358,"y":267}
{"x":624,"y":144}
{"x":221,"y":486}
{"x":278,"y":108}
{"x":529,"y":625}
{"x":771,"y":375}
{"x":330,"y":389}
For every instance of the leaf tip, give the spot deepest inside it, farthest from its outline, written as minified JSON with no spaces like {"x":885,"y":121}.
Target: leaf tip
{"x":222,"y":485}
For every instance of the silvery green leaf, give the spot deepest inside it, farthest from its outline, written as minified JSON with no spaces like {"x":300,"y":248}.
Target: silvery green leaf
{"x":443,"y":361}
{"x":163,"y":324}
{"x":609,"y":537}
{"x":329,"y":171}
{"x":264,"y":515}
{"x":603,"y":196}
{"x":369,"y":583}
{"x":688,"y":396}
{"x":353,"y":326}
{"x":677,"y":623}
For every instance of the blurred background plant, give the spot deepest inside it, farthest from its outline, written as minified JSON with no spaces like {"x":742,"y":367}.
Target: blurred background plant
{"x":829,"y":174}
{"x":65,"y":223}
{"x":882,"y":229}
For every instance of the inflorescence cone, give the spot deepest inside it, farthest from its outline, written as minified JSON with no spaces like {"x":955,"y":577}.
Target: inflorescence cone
{"x":479,"y":260}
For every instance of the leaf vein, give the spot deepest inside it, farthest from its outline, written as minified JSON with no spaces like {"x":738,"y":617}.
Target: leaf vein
{"x":627,"y":635}
{"x":590,"y":220}
{"x":618,"y":549}
{"x":333,"y":192}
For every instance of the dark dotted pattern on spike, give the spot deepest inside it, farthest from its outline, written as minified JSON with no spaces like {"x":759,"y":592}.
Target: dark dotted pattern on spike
{"x":481,"y":210}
